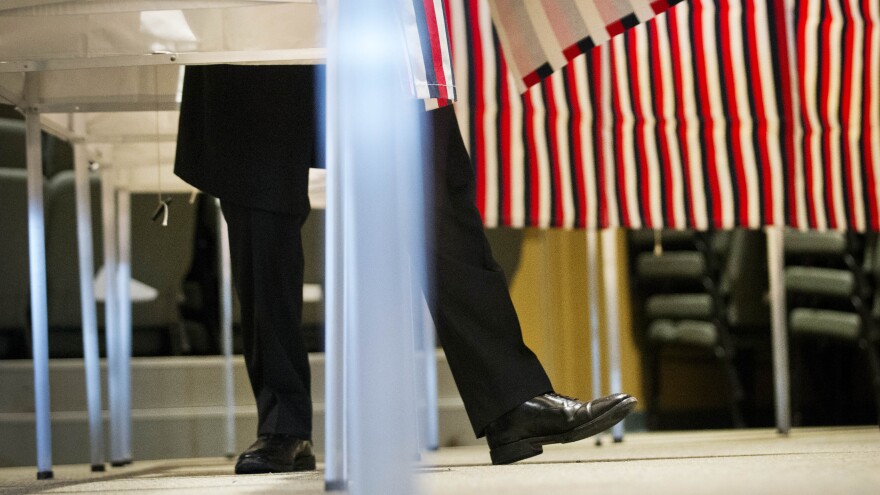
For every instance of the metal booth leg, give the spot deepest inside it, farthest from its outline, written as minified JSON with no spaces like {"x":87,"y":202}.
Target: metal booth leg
{"x":112,"y":330}
{"x":335,"y":434}
{"x":122,"y":285}
{"x":593,"y":294}
{"x":380,"y":172}
{"x":91,"y":357}
{"x":39,"y":306}
{"x":779,"y":329}
{"x":226,"y":327}
{"x":612,"y":313}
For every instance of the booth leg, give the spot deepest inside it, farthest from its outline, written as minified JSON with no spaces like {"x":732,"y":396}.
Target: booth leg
{"x":123,"y":281}
{"x":91,"y":357}
{"x":426,"y":365}
{"x":593,"y":294}
{"x":226,"y":328}
{"x":39,"y":306}
{"x":612,"y":312}
{"x":381,"y":199}
{"x":335,"y":434}
{"x":112,"y":329}
{"x":779,"y":329}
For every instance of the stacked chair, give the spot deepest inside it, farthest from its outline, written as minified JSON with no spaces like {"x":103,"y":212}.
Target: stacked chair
{"x":12,"y":141}
{"x":691,"y":288}
{"x":160,"y":257}
{"x":831,"y":281}
{"x":15,"y":286}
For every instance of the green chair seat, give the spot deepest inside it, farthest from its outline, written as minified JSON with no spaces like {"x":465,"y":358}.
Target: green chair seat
{"x":797,"y":242}
{"x":690,"y":332}
{"x":825,"y":322}
{"x":671,"y":264}
{"x":645,"y":238}
{"x":679,"y":306}
{"x":823,"y":281}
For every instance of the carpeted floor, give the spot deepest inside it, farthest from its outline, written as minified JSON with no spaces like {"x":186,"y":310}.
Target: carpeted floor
{"x":821,"y":461}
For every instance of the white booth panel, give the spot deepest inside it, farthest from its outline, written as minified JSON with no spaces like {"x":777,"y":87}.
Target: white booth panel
{"x":114,"y":127}
{"x":100,"y":89}
{"x":281,"y":25}
{"x":65,"y":7}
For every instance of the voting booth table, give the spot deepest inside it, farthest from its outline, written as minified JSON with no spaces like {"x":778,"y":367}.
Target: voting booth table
{"x":106,"y":76}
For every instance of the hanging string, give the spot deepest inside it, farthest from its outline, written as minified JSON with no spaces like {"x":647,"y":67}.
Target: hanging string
{"x":162,"y":208}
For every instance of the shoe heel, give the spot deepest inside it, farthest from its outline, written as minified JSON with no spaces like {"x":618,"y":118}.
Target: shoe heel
{"x":305,"y":463}
{"x":513,"y":452}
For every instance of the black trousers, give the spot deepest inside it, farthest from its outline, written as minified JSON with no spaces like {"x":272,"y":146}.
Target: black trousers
{"x":469,"y":299}
{"x":267,"y":271}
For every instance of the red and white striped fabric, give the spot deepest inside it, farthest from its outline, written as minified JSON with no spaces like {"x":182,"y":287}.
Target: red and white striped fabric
{"x":429,"y":53}
{"x":701,"y":118}
{"x":541,"y":36}
{"x":836,"y":52}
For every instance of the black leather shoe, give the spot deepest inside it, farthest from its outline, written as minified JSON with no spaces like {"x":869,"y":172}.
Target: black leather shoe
{"x":276,"y":454}
{"x":552,"y":418}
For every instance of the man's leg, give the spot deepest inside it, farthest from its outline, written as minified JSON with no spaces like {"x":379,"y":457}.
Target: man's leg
{"x":476,"y":321}
{"x":505,"y":390}
{"x":267,"y":267}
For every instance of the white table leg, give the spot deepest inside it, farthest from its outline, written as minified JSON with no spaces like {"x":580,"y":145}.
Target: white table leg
{"x":612,"y":314}
{"x":91,"y":358}
{"x":779,"y":329}
{"x":381,"y":172}
{"x":123,"y":281}
{"x":427,"y":363}
{"x":39,"y":306}
{"x":111,"y":314}
{"x":226,"y":328}
{"x":335,"y":434}
{"x":593,"y":294}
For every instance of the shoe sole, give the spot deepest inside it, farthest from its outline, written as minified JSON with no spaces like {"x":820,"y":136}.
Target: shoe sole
{"x":254,"y":466}
{"x":530,"y":447}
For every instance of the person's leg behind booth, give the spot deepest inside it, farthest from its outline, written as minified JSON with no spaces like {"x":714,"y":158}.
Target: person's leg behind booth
{"x":247,"y":135}
{"x":267,"y":269}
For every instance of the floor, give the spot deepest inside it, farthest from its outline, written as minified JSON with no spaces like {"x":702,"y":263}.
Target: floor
{"x":816,"y":460}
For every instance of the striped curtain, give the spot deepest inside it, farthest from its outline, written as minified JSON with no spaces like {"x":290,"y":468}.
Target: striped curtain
{"x":837,"y":154}
{"x":720,"y":113}
{"x":542,"y":36}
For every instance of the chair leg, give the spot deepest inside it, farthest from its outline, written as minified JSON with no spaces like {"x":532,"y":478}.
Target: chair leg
{"x":654,"y":391}
{"x":735,"y":389}
{"x":874,"y":364}
{"x":179,"y":337}
{"x":725,"y":351}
